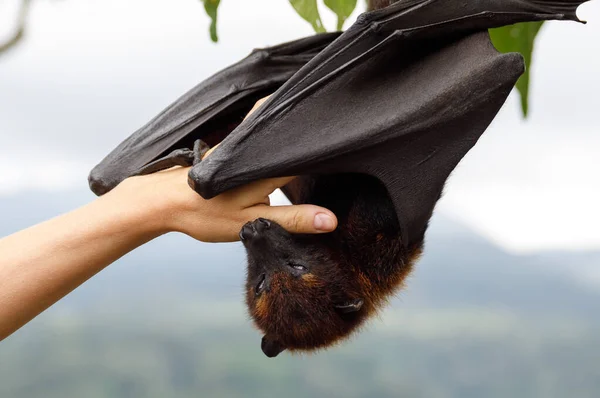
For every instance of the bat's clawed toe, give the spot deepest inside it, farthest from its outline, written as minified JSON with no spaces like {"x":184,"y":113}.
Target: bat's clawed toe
{"x":247,"y":232}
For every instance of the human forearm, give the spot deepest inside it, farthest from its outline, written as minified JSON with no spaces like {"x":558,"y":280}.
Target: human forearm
{"x":41,"y":264}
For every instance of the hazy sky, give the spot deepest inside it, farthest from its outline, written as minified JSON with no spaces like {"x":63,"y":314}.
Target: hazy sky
{"x":90,"y":72}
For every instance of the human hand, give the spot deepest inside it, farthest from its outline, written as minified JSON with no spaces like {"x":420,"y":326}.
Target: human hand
{"x":174,"y":206}
{"x":43,"y":263}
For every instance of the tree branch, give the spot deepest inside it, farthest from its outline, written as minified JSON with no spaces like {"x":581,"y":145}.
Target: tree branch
{"x":20,"y":31}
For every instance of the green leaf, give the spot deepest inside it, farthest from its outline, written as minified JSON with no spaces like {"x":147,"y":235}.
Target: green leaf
{"x":342,"y":8}
{"x":211,"y":7}
{"x":518,"y":38}
{"x":308,"y":10}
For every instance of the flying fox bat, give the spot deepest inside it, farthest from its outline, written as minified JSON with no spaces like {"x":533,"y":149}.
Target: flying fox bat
{"x":373,"y":124}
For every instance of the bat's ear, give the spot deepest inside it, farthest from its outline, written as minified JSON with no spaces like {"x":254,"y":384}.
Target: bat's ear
{"x":350,"y":306}
{"x":271,"y":348}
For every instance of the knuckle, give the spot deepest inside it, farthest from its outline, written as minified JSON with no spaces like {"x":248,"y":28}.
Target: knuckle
{"x":298,"y":221}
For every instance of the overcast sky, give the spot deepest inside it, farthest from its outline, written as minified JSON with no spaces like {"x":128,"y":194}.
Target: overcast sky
{"x":90,"y":72}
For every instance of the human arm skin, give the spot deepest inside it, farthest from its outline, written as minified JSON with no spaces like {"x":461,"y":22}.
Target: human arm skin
{"x":41,"y":264}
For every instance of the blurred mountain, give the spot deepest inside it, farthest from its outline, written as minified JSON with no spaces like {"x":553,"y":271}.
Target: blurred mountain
{"x":461,"y":268}
{"x":168,"y":321}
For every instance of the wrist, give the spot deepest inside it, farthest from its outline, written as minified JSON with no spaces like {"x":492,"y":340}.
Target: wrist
{"x":137,"y":209}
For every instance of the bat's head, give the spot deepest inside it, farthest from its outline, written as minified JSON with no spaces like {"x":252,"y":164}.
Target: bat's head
{"x":297,"y":292}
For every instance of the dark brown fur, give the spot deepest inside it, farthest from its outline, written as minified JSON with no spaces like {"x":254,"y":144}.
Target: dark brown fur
{"x":318,"y":289}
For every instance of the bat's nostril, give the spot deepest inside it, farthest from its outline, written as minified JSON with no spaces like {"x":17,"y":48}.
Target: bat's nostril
{"x":247,"y":232}
{"x":264,"y":223}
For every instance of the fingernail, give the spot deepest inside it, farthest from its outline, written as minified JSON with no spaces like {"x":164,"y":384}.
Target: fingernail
{"x":324,"y":222}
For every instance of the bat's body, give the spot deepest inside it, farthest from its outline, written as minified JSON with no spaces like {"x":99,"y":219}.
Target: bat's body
{"x":307,"y":291}
{"x":374,"y":119}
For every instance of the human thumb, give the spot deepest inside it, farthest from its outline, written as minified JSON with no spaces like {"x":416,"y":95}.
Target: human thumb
{"x":298,"y":219}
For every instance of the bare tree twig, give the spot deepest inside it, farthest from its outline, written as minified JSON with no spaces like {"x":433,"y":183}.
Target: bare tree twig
{"x":20,"y":31}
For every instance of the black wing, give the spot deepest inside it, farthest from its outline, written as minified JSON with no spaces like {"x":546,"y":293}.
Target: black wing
{"x":209,"y":111}
{"x":402,"y":95}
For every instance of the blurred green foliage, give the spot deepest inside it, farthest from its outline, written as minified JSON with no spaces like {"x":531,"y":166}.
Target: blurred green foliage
{"x":308,"y":10}
{"x":211,"y":7}
{"x":466,"y":353}
{"x":342,"y":8}
{"x":517,"y":38}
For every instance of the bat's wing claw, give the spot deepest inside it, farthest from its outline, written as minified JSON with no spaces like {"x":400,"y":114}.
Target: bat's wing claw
{"x":179,"y":157}
{"x":200,"y":149}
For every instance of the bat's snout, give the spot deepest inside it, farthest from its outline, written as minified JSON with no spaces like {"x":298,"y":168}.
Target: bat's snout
{"x":254,"y":229}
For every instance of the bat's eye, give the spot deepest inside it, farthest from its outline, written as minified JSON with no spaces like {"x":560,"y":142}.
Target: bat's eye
{"x":298,"y":267}
{"x":261,"y":285}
